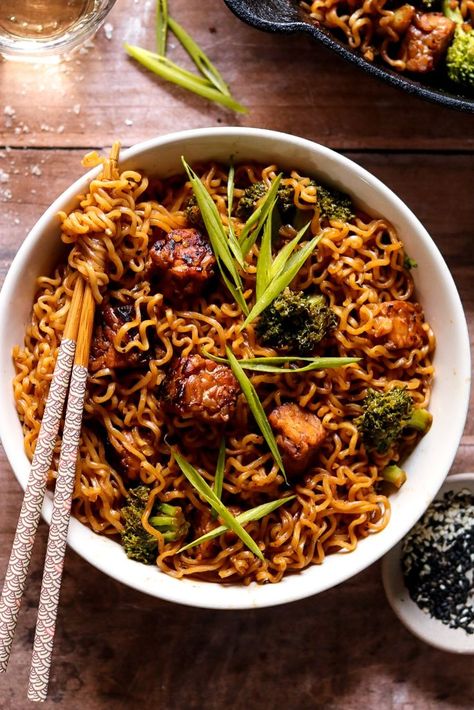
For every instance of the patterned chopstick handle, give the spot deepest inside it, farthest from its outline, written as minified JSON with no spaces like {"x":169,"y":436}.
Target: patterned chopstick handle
{"x":53,"y":567}
{"x":17,"y":569}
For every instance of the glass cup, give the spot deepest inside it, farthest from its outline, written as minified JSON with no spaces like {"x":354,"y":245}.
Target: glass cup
{"x":42,"y":30}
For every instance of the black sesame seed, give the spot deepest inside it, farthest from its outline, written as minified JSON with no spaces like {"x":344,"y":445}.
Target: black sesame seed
{"x":438,"y":561}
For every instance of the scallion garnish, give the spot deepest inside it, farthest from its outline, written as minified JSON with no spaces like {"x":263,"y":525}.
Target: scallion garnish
{"x":275,"y":364}
{"x":234,"y":242}
{"x":161,"y":26}
{"x":206,"y":492}
{"x":282,"y":279}
{"x":255,"y":222}
{"x":230,"y":190}
{"x":321,"y":363}
{"x":219,"y":475}
{"x":256,"y":408}
{"x":218,"y":237}
{"x":264,"y":264}
{"x":210,"y":85}
{"x":260,"y":511}
{"x":202,"y":62}
{"x":281,"y":259}
{"x":170,"y":71}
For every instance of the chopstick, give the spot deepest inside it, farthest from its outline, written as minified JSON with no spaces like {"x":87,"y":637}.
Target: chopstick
{"x":28,"y":520}
{"x":54,"y":561}
{"x":71,"y":371}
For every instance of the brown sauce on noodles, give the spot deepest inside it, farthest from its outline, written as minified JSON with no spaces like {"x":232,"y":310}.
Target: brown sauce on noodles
{"x":339,"y":500}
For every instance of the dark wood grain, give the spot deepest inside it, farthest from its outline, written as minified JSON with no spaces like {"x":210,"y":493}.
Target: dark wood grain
{"x":288,"y":83}
{"x":116,"y":647}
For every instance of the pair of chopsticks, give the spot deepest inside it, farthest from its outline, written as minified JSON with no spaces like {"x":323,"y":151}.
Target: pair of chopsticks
{"x":70,"y":373}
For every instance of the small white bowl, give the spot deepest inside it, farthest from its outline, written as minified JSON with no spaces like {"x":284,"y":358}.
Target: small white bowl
{"x":427,"y":466}
{"x":419,"y":622}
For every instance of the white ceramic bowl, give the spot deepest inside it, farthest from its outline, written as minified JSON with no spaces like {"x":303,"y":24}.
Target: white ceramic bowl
{"x":419,"y":622}
{"x":427,"y":466}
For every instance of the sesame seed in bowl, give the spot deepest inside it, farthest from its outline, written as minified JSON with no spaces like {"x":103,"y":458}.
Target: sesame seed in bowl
{"x":429,"y":576}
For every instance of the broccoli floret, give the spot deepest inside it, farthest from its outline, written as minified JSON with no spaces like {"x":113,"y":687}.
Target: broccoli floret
{"x":460,"y":55}
{"x":334,"y":204}
{"x":248,"y":202}
{"x":409,"y":263}
{"x":193,"y":214}
{"x":386,"y":415}
{"x":138,"y":543}
{"x":286,"y":199}
{"x":296,"y":322}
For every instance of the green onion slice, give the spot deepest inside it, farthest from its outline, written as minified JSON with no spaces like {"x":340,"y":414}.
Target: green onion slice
{"x":260,"y":511}
{"x":249,"y":236}
{"x":219,"y":475}
{"x":153,"y":56}
{"x":161,"y":26}
{"x":264,"y":263}
{"x":283,"y":279}
{"x":256,"y":408}
{"x":281,"y":259}
{"x":230,"y":189}
{"x":200,"y":59}
{"x":206,"y":492}
{"x":233,"y":241}
{"x":218,"y":237}
{"x":276,"y":364}
{"x":171,"y":72}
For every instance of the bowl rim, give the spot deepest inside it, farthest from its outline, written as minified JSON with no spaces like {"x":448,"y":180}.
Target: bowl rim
{"x":418,"y":622}
{"x":399,"y":81}
{"x":182,"y":591}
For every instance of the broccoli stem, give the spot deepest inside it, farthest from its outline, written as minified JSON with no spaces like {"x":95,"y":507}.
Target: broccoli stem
{"x":420,"y":420}
{"x":169,"y":535}
{"x":139,"y":544}
{"x":163,"y":521}
{"x":169,"y":516}
{"x":394,"y":474}
{"x":167,"y":509}
{"x":171,"y":523}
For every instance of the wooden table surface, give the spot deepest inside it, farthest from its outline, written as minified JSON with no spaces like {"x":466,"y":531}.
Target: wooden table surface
{"x":116,"y":647}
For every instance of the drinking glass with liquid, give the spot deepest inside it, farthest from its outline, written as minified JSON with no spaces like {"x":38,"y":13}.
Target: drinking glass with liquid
{"x":38,"y":30}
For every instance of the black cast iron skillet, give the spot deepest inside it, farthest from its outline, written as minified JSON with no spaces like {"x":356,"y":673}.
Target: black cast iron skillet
{"x":284,"y":16}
